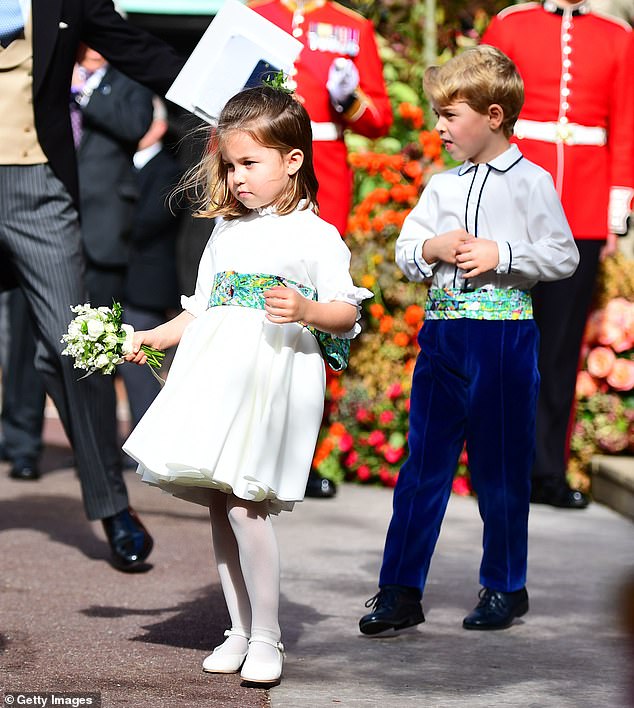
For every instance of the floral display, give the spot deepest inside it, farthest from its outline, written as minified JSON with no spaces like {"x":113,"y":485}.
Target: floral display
{"x":98,"y":340}
{"x":604,"y":421}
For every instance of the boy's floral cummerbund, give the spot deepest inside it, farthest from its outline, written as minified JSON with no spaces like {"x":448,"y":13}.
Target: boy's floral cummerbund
{"x":482,"y":304}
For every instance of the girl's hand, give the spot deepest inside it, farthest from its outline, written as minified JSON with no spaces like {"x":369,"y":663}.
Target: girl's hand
{"x":138,"y":356}
{"x":283,"y":305}
{"x":477,"y":256}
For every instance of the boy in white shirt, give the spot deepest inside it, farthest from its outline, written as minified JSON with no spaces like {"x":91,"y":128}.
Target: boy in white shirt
{"x":483,"y":233}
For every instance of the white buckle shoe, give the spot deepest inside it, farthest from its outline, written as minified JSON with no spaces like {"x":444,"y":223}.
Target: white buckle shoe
{"x":256,"y":671}
{"x":219,"y":662}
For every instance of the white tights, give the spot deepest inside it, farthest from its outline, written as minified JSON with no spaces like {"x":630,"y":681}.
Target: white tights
{"x":248,"y":563}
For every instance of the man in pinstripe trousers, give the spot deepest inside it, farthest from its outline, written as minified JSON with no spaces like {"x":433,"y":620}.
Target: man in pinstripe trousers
{"x":40,"y":247}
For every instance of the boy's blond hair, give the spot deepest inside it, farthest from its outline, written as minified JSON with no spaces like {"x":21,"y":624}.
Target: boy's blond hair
{"x":480,"y":77}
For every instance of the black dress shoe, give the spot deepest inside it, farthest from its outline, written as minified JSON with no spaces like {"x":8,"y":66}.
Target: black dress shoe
{"x":393,"y":607}
{"x":319,"y":487}
{"x":561,"y":496}
{"x":497,"y":610}
{"x":24,"y":469}
{"x":129,"y":541}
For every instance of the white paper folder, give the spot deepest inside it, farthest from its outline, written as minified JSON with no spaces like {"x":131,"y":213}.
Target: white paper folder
{"x":238,"y":49}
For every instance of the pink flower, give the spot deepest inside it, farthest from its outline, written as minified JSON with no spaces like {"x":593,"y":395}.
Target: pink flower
{"x":461,"y":486}
{"x":621,"y":377}
{"x":346,"y":442}
{"x":388,"y":478}
{"x":376,"y":438}
{"x":608,"y":332}
{"x":407,"y":405}
{"x":394,"y":391}
{"x":351,"y":459}
{"x":623,"y":343}
{"x":600,"y":362}
{"x":393,"y":455}
{"x":586,"y":385}
{"x":364,"y":473}
{"x":592,"y":327}
{"x":386,"y":417}
{"x":363,"y":415}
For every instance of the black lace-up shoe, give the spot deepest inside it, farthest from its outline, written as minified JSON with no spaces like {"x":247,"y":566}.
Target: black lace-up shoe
{"x":393,"y":607}
{"x":130,"y":543}
{"x":497,"y":610}
{"x":558,"y":495}
{"x":319,"y":487}
{"x":25,"y":469}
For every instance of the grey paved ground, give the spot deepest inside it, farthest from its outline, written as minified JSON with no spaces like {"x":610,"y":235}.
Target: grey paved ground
{"x":70,"y":622}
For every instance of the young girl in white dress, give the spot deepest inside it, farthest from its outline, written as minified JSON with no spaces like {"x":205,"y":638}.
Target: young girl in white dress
{"x":236,"y":424}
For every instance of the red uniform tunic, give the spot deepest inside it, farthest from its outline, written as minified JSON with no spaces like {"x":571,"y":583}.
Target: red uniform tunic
{"x":328,"y":31}
{"x":578,"y":70}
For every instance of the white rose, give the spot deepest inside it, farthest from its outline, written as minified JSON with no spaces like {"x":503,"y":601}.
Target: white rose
{"x":95,"y":328}
{"x":127,"y":342}
{"x":74,"y":330}
{"x":110,"y":341}
{"x":102,"y":361}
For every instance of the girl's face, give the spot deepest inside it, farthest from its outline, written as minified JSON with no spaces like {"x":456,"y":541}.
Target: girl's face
{"x":257,"y":175}
{"x":467,"y":134}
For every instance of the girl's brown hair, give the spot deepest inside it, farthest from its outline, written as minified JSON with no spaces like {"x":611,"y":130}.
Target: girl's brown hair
{"x":275,"y":119}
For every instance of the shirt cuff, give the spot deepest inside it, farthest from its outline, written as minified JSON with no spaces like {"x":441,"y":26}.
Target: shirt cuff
{"x":619,"y":209}
{"x":505,"y":258}
{"x":427,"y":270}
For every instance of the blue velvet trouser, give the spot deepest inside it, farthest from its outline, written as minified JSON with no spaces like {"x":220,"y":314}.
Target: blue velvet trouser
{"x":475,"y":381}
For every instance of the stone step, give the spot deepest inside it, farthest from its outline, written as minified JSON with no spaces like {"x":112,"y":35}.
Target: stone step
{"x":613,"y":482}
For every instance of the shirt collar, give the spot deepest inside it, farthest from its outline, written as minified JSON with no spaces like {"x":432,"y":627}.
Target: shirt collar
{"x":579,"y":8}
{"x":501,"y":163}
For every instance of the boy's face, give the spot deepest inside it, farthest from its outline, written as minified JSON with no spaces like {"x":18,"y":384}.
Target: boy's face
{"x":467,"y":134}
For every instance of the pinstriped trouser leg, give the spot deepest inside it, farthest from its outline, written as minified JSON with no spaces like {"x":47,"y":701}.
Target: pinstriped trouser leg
{"x":39,"y":231}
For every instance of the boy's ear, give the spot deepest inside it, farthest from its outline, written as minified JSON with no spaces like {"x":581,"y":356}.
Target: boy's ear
{"x":294,"y":160}
{"x":496,"y":116}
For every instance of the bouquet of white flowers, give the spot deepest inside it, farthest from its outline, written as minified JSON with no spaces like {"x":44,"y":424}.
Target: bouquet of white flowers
{"x":98,"y":340}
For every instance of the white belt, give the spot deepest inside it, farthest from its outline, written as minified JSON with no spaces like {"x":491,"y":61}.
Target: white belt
{"x":326,"y":131}
{"x":569,"y":133}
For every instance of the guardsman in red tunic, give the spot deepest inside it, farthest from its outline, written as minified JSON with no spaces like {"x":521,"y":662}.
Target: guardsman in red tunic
{"x":339,"y":79}
{"x":338,"y":76}
{"x":578,"y":123}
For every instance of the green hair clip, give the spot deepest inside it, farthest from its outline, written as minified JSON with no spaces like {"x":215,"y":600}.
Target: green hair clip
{"x":277,"y":80}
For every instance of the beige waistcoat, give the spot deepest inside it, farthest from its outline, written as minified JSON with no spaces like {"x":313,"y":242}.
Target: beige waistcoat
{"x":18,"y":139}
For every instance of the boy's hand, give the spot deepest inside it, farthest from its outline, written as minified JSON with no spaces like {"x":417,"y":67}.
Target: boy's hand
{"x":283,"y":305}
{"x":444,"y":247}
{"x":477,"y":256}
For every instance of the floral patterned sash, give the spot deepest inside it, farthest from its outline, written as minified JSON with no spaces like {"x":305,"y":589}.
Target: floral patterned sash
{"x":246,"y":290}
{"x":495,"y":304}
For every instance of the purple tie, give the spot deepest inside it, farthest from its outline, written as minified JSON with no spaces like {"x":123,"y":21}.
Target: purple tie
{"x":76,"y":118}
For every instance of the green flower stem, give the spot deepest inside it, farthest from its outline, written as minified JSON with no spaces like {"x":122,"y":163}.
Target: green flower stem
{"x":154,"y":356}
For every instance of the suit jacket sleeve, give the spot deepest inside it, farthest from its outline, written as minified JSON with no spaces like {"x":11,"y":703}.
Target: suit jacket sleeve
{"x":136,"y":53}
